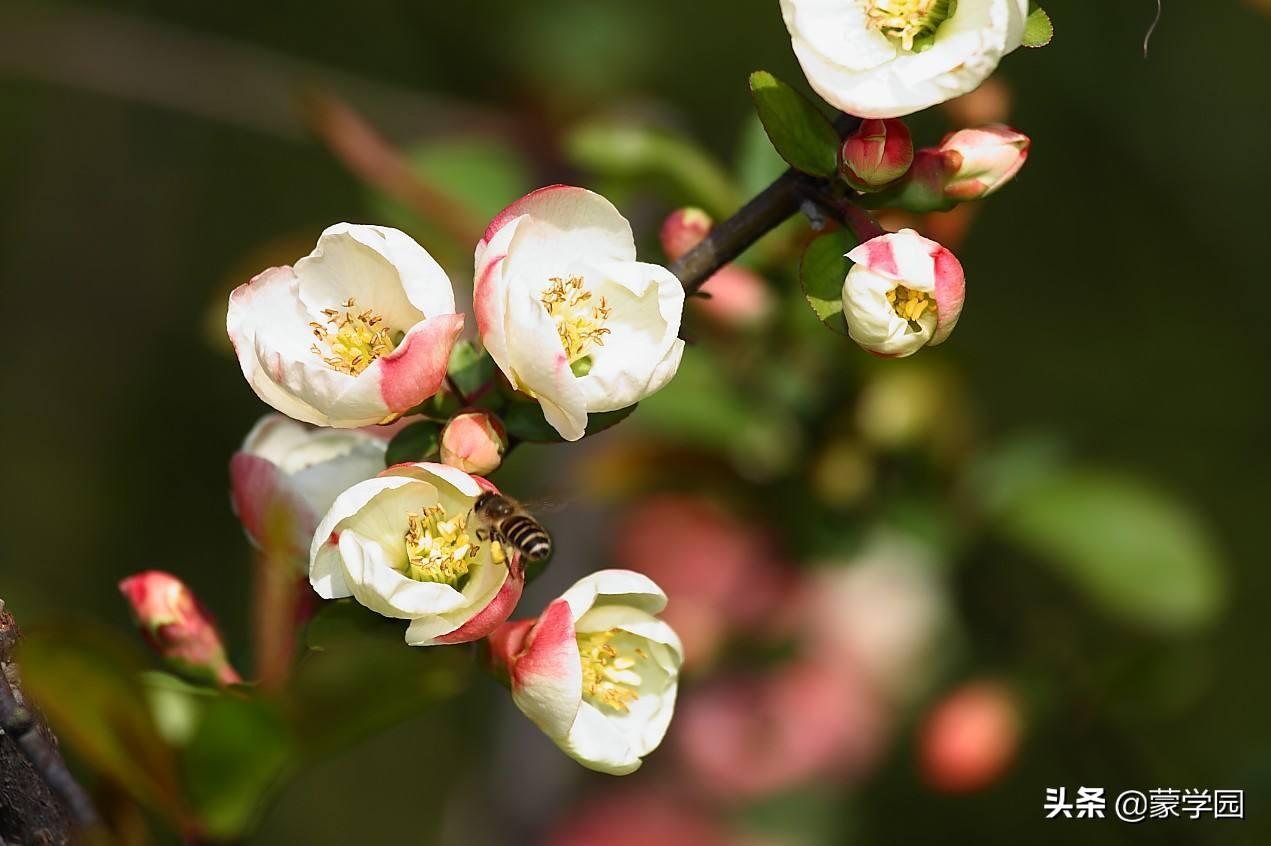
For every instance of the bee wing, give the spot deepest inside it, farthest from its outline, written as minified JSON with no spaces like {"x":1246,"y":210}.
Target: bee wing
{"x":549,"y":504}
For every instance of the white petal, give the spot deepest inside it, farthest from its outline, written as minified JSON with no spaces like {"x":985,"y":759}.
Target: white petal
{"x":274,"y":437}
{"x":539,"y":363}
{"x":617,"y":587}
{"x":597,"y":743}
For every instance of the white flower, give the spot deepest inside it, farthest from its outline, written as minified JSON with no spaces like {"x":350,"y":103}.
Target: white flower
{"x":406,"y":545}
{"x":358,"y":332}
{"x":904,"y":292}
{"x":567,"y":312}
{"x":597,"y":671}
{"x":288,"y":474}
{"x":889,"y":58}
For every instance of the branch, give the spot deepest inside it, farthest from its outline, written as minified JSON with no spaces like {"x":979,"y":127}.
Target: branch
{"x":20,"y":726}
{"x":769,"y":209}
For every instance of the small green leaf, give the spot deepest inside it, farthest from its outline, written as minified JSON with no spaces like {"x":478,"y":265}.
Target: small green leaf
{"x":1038,"y":30}
{"x":524,"y":420}
{"x":470,"y":367}
{"x":417,"y":442}
{"x":821,"y":274}
{"x":240,"y":750}
{"x":802,"y":135}
{"x":88,"y":683}
{"x":1135,"y":552}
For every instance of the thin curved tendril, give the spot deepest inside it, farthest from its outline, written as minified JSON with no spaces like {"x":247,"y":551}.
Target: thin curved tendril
{"x":1151,"y":29}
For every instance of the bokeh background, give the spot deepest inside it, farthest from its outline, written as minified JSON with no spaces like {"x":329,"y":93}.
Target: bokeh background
{"x":154,"y":154}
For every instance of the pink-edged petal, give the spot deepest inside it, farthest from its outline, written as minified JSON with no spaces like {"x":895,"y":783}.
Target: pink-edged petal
{"x":263,"y":501}
{"x":547,"y":677}
{"x":950,"y":292}
{"x":415,"y":370}
{"x":487,"y":619}
{"x":586,"y":225}
{"x":624,"y":587}
{"x":489,"y":294}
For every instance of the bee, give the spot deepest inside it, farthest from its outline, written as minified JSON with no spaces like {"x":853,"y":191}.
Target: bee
{"x":507,"y":521}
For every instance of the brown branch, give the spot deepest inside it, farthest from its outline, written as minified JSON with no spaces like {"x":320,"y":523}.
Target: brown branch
{"x":768,"y":210}
{"x":35,"y":741}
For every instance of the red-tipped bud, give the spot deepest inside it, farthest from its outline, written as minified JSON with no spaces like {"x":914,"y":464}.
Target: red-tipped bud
{"x":988,"y":158}
{"x":475,"y":442}
{"x":683,"y":230}
{"x":177,"y":626}
{"x":877,"y":154}
{"x":970,"y":738}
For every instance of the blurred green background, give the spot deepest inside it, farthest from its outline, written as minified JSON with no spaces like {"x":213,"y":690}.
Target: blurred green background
{"x":153,"y":154}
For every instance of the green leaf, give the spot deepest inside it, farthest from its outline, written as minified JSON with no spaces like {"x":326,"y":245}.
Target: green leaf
{"x":234,"y":760}
{"x":524,"y":420}
{"x":419,"y":441}
{"x":821,"y":273}
{"x":87,"y":682}
{"x":1038,"y":30}
{"x":635,"y":152}
{"x":802,"y":135}
{"x":1135,"y":552}
{"x":470,"y":367}
{"x":359,"y":677}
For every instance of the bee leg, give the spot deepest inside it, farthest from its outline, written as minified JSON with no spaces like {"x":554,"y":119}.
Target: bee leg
{"x":483,"y":534}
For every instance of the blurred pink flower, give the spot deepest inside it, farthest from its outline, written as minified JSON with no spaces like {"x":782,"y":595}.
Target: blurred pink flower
{"x":970,"y":738}
{"x":738,"y":297}
{"x":745,"y":738}
{"x":177,"y":626}
{"x":718,"y":571}
{"x":638,"y":817}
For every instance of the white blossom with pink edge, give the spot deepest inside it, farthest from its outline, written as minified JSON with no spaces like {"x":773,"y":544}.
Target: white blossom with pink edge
{"x":567,"y":312}
{"x":287,"y":475}
{"x":891,"y":58}
{"x":597,"y":671}
{"x":904,"y":292}
{"x":357,"y":333}
{"x":406,"y":545}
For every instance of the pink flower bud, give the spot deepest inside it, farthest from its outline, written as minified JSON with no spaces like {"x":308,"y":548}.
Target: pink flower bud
{"x":474,"y":442}
{"x":683,"y":230}
{"x":970,"y":738}
{"x":989,"y":158}
{"x":739,"y":297}
{"x":878,"y":153}
{"x":177,"y":626}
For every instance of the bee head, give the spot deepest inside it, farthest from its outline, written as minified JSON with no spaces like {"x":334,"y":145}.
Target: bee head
{"x":492,"y":505}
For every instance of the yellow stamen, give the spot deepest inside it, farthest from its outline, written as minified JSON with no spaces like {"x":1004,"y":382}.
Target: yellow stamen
{"x":353,"y":339}
{"x":437,"y":549}
{"x":609,"y":676}
{"x":579,"y":319}
{"x":908,"y":303}
{"x":907,"y":21}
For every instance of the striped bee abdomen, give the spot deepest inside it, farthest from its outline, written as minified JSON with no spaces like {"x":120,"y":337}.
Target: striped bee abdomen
{"x":529,"y":538}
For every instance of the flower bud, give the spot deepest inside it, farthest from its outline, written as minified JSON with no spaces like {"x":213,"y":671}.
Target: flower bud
{"x":970,"y":738}
{"x":177,"y":626}
{"x":739,"y":298}
{"x":474,"y":442}
{"x":878,"y":153}
{"x":683,"y":230}
{"x":989,"y":158}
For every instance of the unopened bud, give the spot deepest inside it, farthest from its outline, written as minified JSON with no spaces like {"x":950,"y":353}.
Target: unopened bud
{"x":877,"y":154}
{"x":474,"y":442}
{"x":988,"y":158}
{"x":683,"y":230}
{"x":177,"y":626}
{"x":970,"y":738}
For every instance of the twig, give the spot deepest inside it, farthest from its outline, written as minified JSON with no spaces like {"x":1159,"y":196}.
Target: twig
{"x":768,"y":210}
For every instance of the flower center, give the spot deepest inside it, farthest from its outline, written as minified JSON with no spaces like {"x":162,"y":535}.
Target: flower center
{"x":912,"y":24}
{"x":910,"y":304}
{"x":580,"y":319}
{"x":608,"y":675}
{"x":437,"y":549}
{"x":353,"y":339}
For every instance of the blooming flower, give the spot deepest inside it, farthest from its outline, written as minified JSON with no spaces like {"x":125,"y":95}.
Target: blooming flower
{"x":474,"y":441}
{"x":287,"y":475}
{"x":358,"y":332}
{"x":597,"y":671}
{"x":177,"y":626}
{"x":405,"y":545}
{"x":903,"y":292}
{"x":567,"y":312}
{"x":889,"y":58}
{"x":987,"y":157}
